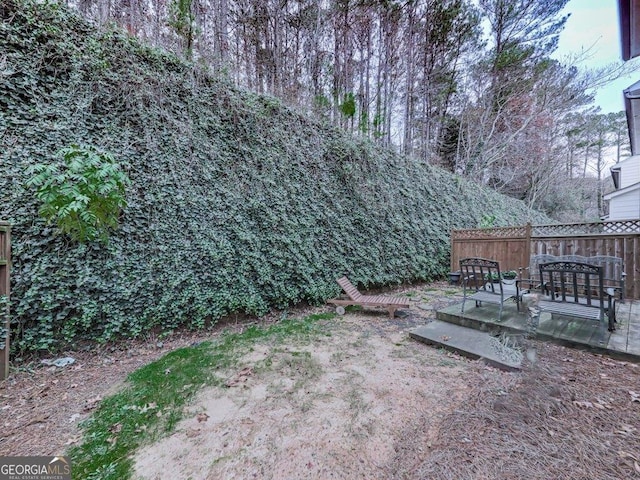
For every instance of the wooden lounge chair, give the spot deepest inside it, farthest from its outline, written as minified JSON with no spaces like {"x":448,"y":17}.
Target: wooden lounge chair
{"x":356,"y":298}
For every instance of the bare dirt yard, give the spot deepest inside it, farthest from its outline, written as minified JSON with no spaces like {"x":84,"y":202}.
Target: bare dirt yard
{"x":362,"y":401}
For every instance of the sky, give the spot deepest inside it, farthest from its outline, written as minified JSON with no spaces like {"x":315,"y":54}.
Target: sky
{"x":593,"y":26}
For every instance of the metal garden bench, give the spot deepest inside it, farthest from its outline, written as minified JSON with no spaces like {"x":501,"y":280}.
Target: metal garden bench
{"x":612,"y":270}
{"x":577,"y":289}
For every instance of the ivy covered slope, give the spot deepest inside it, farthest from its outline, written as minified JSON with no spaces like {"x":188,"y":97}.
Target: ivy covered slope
{"x":236,"y":203}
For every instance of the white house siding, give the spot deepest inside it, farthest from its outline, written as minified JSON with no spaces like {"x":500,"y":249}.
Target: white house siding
{"x":625,"y":206}
{"x":629,"y":171}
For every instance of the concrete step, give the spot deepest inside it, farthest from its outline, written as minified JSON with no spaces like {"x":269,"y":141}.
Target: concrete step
{"x":469,"y":342}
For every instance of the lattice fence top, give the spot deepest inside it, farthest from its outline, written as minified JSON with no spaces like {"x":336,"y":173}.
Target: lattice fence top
{"x":619,"y":227}
{"x":587,"y":228}
{"x":497,"y":232}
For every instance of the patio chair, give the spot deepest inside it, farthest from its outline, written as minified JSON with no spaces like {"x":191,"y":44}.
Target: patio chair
{"x":481,"y":280}
{"x":356,"y":298}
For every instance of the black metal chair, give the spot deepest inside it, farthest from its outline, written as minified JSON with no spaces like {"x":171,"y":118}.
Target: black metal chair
{"x":481,"y":281}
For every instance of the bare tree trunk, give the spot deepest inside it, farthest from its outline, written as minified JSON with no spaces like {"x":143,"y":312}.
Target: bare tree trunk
{"x":377,"y":124}
{"x":367,"y":89}
{"x":586,"y":162}
{"x":221,"y":35}
{"x":407,"y":146}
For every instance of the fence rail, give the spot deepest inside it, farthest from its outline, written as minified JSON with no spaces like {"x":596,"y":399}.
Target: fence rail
{"x":494,"y":232}
{"x":513,"y":246}
{"x":618,"y":227}
{"x":5,"y":321}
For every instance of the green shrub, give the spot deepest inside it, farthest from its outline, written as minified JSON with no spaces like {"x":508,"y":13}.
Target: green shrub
{"x":83,"y":194}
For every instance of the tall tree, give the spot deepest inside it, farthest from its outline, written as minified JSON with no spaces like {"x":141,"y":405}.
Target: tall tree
{"x":618,"y":127}
{"x":511,"y":85}
{"x":182,"y":20}
{"x":446,"y":33}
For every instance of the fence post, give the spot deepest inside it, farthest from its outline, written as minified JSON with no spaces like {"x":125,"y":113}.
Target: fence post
{"x":452,"y":261}
{"x":527,"y":249}
{"x":5,"y":267}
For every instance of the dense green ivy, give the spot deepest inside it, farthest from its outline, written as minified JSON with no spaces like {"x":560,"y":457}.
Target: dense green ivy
{"x":236,"y":202}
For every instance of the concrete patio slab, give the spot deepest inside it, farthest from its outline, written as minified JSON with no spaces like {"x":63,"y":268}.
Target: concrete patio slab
{"x":469,"y":342}
{"x":623,"y":342}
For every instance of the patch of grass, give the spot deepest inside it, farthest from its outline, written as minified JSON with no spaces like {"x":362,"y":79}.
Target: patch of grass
{"x":294,"y":368}
{"x":356,"y":402}
{"x":306,"y":405}
{"x":300,"y":366}
{"x":353,"y":308}
{"x":146,"y":408}
{"x":219,"y":460}
{"x":358,"y":343}
{"x":446,"y":363}
{"x":404,"y":352}
{"x":153,"y":401}
{"x":446,"y":359}
{"x":337,"y":357}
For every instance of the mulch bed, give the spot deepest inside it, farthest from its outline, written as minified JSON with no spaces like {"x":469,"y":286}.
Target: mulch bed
{"x":570,"y":415}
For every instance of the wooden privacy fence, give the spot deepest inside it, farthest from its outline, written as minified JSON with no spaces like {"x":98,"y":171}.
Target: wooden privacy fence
{"x":513,"y":246}
{"x":5,"y":323}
